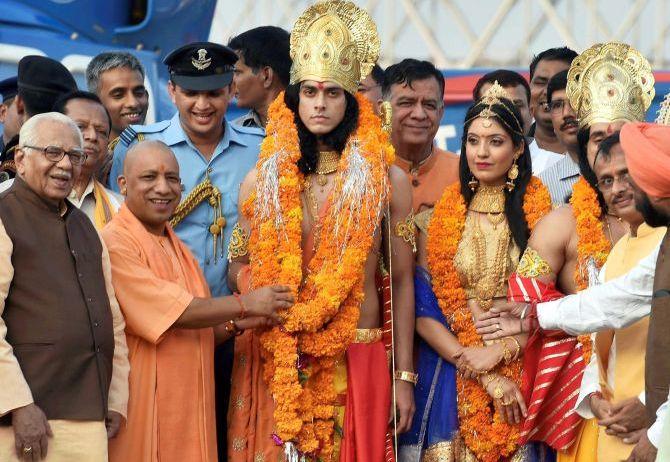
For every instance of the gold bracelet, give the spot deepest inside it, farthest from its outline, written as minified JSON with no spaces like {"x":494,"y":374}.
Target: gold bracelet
{"x":507,"y":354}
{"x":518,"y":347}
{"x":491,"y":378}
{"x":406,"y":376}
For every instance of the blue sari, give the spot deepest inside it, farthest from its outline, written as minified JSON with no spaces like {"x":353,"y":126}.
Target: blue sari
{"x":436,"y":419}
{"x":434,"y":432}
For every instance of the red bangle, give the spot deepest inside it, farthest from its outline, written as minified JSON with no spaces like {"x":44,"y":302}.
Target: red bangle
{"x":243,"y":309}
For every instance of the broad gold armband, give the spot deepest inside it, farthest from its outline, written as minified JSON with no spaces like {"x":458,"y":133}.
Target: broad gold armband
{"x":406,"y":376}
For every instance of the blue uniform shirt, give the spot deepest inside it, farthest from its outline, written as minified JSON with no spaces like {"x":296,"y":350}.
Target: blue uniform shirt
{"x":234,"y":156}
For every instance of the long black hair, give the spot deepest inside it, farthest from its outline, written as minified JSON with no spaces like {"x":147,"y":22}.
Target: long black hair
{"x":585,"y":169}
{"x":336,"y":139}
{"x":508,"y":116}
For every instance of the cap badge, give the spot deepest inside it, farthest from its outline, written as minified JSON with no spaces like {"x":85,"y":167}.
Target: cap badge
{"x":203,"y":62}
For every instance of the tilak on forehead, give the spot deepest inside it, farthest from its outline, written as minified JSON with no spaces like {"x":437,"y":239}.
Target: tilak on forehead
{"x":334,"y":41}
{"x":610,"y":82}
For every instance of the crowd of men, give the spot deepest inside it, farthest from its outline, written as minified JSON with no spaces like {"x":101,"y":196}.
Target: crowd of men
{"x":118,"y":318}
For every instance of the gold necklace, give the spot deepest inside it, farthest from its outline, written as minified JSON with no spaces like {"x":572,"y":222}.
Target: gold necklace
{"x":327,"y":163}
{"x":489,"y":278}
{"x":491,"y":201}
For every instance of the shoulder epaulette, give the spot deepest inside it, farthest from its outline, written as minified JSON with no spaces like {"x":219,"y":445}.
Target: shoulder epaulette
{"x":135,"y":132}
{"x":127,"y":136}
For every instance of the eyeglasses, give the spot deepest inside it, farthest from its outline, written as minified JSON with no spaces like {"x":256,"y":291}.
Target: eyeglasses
{"x":605,"y":184}
{"x":556,"y":105}
{"x":55,"y":154}
{"x":545,"y":106}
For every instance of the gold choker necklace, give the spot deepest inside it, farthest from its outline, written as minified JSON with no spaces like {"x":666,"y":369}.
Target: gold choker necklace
{"x":327,"y":163}
{"x":491,"y":201}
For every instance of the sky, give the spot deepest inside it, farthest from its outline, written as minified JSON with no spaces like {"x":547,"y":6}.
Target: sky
{"x":509,"y":44}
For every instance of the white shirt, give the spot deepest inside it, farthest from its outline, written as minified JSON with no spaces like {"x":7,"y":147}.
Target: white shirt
{"x":612,"y":305}
{"x":541,"y":158}
{"x":87,"y":202}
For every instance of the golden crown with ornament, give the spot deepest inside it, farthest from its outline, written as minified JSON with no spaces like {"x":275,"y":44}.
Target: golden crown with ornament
{"x":609,"y":82}
{"x":334,"y":41}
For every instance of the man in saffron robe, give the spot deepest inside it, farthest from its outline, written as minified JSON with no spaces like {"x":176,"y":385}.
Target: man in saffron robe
{"x":326,"y":155}
{"x":170,"y":315}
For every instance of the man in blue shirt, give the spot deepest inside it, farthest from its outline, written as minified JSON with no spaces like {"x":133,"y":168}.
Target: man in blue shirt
{"x":214,"y":157}
{"x":207,"y":148}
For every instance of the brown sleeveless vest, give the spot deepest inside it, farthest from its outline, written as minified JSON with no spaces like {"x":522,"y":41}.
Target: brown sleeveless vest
{"x":657,"y":365}
{"x":57,"y":311}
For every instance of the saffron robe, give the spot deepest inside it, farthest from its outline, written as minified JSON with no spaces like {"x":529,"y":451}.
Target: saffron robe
{"x":171,"y":405}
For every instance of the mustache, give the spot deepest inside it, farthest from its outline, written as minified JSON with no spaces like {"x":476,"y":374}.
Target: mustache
{"x":568,"y":121}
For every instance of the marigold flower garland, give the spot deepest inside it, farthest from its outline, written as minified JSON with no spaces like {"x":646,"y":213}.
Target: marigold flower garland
{"x":483,"y":431}
{"x":300,"y":354}
{"x":591,"y":242}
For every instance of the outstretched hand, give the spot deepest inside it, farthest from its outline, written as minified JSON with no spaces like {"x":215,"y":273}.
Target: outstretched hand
{"x":492,"y":325}
{"x":267,"y":300}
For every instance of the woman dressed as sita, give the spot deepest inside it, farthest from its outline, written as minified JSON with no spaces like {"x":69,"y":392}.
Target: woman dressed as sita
{"x":468,"y":399}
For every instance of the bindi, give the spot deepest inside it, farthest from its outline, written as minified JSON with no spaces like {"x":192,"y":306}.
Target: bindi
{"x":319,"y":85}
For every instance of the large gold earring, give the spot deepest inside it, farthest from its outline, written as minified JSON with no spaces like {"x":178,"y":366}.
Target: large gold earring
{"x":473,"y":183}
{"x":512,"y":174}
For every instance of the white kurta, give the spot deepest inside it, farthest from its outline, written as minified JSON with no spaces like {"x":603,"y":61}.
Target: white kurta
{"x":612,"y":305}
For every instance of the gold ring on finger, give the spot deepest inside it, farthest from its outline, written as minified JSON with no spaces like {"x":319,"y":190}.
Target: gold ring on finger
{"x":497,"y":326}
{"x":27,"y":449}
{"x":507,"y":403}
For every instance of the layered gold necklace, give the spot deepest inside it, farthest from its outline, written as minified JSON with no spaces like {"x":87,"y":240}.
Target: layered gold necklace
{"x":489,"y":275}
{"x":491,"y":201}
{"x":327,"y":163}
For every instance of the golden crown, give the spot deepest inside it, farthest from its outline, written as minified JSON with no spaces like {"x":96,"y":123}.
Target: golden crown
{"x":664,"y":113}
{"x":608,"y":82}
{"x":334,"y":40}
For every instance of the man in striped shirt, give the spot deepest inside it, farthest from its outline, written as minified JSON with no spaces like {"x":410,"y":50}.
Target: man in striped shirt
{"x":561,"y":176}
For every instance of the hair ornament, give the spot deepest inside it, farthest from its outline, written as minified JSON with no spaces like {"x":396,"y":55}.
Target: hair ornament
{"x":494,"y":96}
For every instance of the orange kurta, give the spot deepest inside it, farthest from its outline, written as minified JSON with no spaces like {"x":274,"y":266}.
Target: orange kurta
{"x":431,"y":178}
{"x":171,"y":404}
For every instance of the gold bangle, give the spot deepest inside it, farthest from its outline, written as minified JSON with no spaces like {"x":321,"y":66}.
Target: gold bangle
{"x":491,"y":378}
{"x":518,"y":347}
{"x":406,"y":376}
{"x":507,"y":354}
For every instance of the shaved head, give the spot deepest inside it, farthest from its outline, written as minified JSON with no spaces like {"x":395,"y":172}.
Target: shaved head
{"x":151,"y":184}
{"x":147,"y":148}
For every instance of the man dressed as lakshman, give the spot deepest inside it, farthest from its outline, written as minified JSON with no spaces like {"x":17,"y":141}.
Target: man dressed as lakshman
{"x":608,"y":85}
{"x":318,"y":385}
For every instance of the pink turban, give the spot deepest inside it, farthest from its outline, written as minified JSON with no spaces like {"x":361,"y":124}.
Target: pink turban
{"x":647,"y":150}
